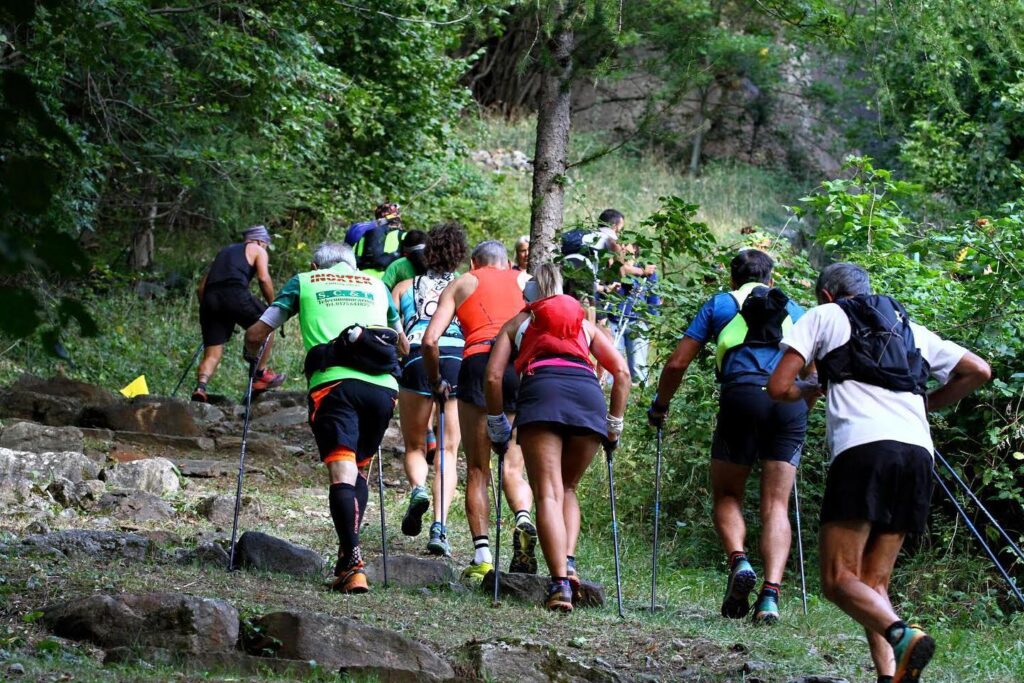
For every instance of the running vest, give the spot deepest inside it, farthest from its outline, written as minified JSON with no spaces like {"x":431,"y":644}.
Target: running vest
{"x":881,"y":349}
{"x":332,"y":300}
{"x":230,"y":268}
{"x":554,"y":330}
{"x":418,"y":304}
{"x":377,"y":248}
{"x":496,"y":300}
{"x":761,"y":320}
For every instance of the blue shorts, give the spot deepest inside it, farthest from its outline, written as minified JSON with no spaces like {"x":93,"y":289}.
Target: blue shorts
{"x":568,"y":400}
{"x":414,"y":376}
{"x":751,"y":427}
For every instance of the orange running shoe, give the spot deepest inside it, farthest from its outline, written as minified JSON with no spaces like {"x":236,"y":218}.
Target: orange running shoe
{"x":352,"y":581}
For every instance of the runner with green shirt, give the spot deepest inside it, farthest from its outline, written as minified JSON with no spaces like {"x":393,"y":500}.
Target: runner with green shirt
{"x":411,"y":263}
{"x":352,"y":387}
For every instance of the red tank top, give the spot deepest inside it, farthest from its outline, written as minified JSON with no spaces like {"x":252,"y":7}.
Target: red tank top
{"x":496,"y":299}
{"x":555,"y":330}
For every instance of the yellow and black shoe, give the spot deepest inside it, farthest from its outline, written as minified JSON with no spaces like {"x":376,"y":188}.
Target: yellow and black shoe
{"x":524,"y":549}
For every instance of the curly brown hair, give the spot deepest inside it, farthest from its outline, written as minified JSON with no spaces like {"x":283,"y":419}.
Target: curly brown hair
{"x":446,"y":247}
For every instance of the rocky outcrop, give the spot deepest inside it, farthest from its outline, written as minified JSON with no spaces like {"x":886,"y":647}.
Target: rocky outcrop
{"x":142,"y":414}
{"x":410,"y":571}
{"x":74,"y":467}
{"x":155,"y":475}
{"x":135,"y":506}
{"x":37,"y":438}
{"x":264,"y":552}
{"x":98,"y":545}
{"x":532,"y":588}
{"x":526,"y":662}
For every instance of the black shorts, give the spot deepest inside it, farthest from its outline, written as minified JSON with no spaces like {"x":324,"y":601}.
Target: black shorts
{"x":223,"y":308}
{"x":352,"y":414}
{"x":471,"y":382}
{"x":568,"y":401}
{"x":751,"y":427}
{"x":414,"y":376}
{"x":887,"y":483}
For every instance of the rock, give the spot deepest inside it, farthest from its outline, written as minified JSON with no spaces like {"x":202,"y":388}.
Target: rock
{"x":20,"y":494}
{"x":166,"y":441}
{"x":173,"y":621}
{"x":98,"y":545}
{"x":255,"y":444}
{"x":46,"y":466}
{"x":37,"y":438}
{"x":212,"y":554}
{"x":410,"y":571}
{"x":532,"y":588}
{"x":209,"y":469}
{"x":135,"y":506}
{"x":284,"y":417}
{"x":65,"y":388}
{"x":150,"y":290}
{"x":75,"y":495}
{"x":15,"y":669}
{"x":264,"y":552}
{"x":43,"y":408}
{"x":220,"y":509}
{"x":142,"y":414}
{"x":393,"y":440}
{"x":205,"y":665}
{"x":338,"y":643}
{"x":155,"y":475}
{"x":37,"y":526}
{"x":526,"y":662}
{"x":205,"y":415}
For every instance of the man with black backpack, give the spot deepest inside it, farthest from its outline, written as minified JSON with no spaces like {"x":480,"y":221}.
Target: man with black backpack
{"x":874,"y":364}
{"x":587,"y":257}
{"x":746,"y":326}
{"x":352,"y":335}
{"x":377,"y":243}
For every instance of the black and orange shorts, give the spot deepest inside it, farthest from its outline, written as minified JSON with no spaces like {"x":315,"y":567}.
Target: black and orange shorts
{"x":349,"y":418}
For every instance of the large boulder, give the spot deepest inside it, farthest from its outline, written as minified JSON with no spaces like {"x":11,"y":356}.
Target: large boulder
{"x":173,"y":621}
{"x":410,"y":571}
{"x":343,"y":644}
{"x":135,"y":506}
{"x":96,"y":545}
{"x":46,"y":467}
{"x":256,"y":550}
{"x":156,"y":475}
{"x":44,"y":408}
{"x":205,"y":415}
{"x":281,"y":419}
{"x":66,"y":388}
{"x":220,"y":509}
{"x":142,"y":414}
{"x":532,"y":588}
{"x":165,"y":442}
{"x":526,"y":662}
{"x":37,"y":438}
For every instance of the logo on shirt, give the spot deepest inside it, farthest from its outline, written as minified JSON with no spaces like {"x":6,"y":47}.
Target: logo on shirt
{"x":329,"y":297}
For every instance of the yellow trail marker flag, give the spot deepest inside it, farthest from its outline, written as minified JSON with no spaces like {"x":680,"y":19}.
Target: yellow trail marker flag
{"x":137,"y":387}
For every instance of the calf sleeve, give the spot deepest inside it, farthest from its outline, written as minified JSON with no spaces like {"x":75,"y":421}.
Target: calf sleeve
{"x":345,"y":513}
{"x":362,"y":496}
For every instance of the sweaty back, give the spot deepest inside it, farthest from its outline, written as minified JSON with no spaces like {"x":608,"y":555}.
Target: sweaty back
{"x":496,"y":299}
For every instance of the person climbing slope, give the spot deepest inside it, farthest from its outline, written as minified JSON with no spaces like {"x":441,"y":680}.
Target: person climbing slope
{"x":411,"y":263}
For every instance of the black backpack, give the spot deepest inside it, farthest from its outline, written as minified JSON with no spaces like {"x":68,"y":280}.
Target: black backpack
{"x":573,"y":241}
{"x":881,"y":350}
{"x":369,"y":349}
{"x":373,"y":255}
{"x":764,"y":310}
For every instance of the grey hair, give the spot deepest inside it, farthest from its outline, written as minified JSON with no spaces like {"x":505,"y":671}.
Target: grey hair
{"x":842,"y":280}
{"x":489,"y":253}
{"x":329,"y":254}
{"x":525,"y":239}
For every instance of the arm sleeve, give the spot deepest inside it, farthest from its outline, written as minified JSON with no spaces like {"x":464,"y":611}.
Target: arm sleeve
{"x":942,"y":355}
{"x":393,"y":317}
{"x":700,"y":329}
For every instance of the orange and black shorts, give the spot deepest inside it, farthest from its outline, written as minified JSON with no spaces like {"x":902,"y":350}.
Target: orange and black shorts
{"x":349,"y":418}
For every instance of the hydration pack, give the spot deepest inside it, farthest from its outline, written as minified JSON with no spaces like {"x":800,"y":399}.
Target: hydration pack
{"x":762,"y":317}
{"x":370,"y":349}
{"x":379,"y":246}
{"x":881,"y":350}
{"x":554,"y":330}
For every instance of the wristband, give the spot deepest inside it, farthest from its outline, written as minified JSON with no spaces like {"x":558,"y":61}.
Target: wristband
{"x":615,"y":424}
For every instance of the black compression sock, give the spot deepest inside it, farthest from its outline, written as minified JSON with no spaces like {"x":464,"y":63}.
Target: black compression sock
{"x":362,"y":496}
{"x":894,"y":633}
{"x":343,"y":511}
{"x":885,"y":679}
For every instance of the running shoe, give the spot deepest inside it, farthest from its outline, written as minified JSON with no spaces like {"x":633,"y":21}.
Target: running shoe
{"x":419,"y":501}
{"x":913,"y":653}
{"x":766,"y":608}
{"x":574,"y":579}
{"x":559,"y":596}
{"x":524,"y":549}
{"x":475,"y":573}
{"x":352,"y":581}
{"x":266,"y":379}
{"x":199,"y":395}
{"x":431,"y":446}
{"x":438,"y":543}
{"x":737,"y":595}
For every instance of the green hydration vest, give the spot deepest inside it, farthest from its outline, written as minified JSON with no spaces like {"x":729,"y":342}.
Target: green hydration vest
{"x":332,"y":300}
{"x":375,"y":251}
{"x":736,"y":331}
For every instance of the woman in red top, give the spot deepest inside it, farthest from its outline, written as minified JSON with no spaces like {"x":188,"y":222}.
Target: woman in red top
{"x":562,"y":416}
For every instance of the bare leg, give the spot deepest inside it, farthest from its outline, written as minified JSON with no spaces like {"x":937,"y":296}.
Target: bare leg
{"x":451,"y":453}
{"x":414,"y":416}
{"x":579,"y":453}
{"x":208,"y":365}
{"x":265,"y":358}
{"x":776,"y":535}
{"x":876,"y":571}
{"x":542,"y":450}
{"x":473,"y":425}
{"x":517,"y":489}
{"x":727,"y":484}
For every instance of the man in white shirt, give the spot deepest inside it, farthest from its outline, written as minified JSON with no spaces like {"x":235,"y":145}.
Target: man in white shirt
{"x":879,"y":482}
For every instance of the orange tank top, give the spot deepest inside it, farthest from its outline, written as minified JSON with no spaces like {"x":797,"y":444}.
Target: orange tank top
{"x":496,"y":300}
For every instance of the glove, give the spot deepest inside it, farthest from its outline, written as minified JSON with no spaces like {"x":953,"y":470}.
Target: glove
{"x":656,"y":414}
{"x":499,"y":431}
{"x":610,"y":446}
{"x":615,"y":425}
{"x":442,"y":391}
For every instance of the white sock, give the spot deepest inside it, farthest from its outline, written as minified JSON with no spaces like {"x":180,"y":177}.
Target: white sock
{"x":523,"y":516}
{"x":483,"y":550}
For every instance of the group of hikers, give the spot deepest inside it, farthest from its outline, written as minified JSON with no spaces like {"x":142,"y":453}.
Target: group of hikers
{"x":499,"y":359}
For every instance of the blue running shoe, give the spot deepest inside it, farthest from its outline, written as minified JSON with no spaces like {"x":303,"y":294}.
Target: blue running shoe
{"x":737,"y":595}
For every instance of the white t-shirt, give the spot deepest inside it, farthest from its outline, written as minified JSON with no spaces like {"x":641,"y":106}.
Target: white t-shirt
{"x":859,"y":413}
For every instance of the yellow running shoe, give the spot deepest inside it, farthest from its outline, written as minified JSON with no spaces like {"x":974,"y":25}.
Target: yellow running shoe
{"x":475,"y":573}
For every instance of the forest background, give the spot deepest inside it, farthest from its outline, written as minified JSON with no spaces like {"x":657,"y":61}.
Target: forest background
{"x":139,"y":137}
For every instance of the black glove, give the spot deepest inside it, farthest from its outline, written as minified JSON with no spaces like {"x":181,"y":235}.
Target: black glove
{"x":442,"y":391}
{"x":656,"y":415}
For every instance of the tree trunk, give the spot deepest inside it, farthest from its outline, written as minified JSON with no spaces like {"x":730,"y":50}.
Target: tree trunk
{"x":553,"y":121}
{"x":141,"y":256}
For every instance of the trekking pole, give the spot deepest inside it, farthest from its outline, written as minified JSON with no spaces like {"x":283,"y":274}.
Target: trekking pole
{"x":657,"y":510}
{"x":497,"y":526}
{"x":253,"y":365}
{"x":800,"y":544}
{"x":195,"y":356}
{"x":970,"y":494}
{"x":440,"y":449}
{"x":977,"y":535}
{"x":627,"y":307}
{"x":383,"y":528}
{"x":609,"y":448}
